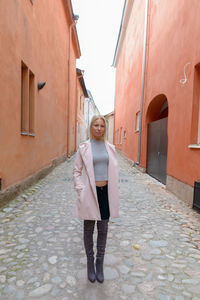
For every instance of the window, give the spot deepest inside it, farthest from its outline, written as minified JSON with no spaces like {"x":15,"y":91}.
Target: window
{"x":121,"y":130}
{"x":198,"y":136}
{"x":83,"y":105}
{"x":195,"y":118}
{"x":24,"y":98}
{"x":124,"y":134}
{"x":31,"y":102}
{"x":27,"y":100}
{"x":107,"y":129}
{"x":137,"y":124}
{"x":117,"y":136}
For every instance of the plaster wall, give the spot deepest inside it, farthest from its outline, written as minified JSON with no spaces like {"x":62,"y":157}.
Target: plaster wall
{"x":81,"y":124}
{"x":128,"y":82}
{"x":110,"y":127}
{"x":38,"y":35}
{"x":173,"y":51}
{"x":72,"y":104}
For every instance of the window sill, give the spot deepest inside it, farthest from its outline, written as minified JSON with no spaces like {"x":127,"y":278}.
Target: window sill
{"x":27,"y":133}
{"x":194,"y":146}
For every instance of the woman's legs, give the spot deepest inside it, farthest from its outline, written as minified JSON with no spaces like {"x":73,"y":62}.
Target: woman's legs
{"x":102,"y":228}
{"x":88,"y":243}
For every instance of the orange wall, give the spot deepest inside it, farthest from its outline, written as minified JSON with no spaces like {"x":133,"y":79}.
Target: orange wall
{"x":81,"y":126}
{"x":128,"y":82}
{"x":72,"y":104}
{"x":173,"y":34}
{"x":38,"y":35}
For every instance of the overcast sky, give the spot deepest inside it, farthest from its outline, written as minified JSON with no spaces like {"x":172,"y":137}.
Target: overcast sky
{"x":98,"y":28}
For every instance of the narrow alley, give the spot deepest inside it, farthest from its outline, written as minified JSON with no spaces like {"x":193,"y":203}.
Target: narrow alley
{"x":153,"y":249}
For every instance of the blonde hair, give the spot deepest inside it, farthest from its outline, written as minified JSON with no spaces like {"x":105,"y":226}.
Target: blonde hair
{"x":94,"y":118}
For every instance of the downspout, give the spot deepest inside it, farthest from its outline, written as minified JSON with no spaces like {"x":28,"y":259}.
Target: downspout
{"x":114,"y":135}
{"x":143,"y":80}
{"x":69,"y":87}
{"x":76,"y":119}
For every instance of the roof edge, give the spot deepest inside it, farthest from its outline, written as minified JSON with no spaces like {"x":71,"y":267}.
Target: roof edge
{"x":82,"y":81}
{"x":122,"y":32}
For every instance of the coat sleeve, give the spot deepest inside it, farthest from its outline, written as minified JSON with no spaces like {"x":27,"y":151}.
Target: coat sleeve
{"x":77,"y":172}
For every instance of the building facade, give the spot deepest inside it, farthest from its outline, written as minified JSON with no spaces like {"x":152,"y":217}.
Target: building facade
{"x":81,"y":131}
{"x":157,"y":103}
{"x":90,"y":109}
{"x":39,"y":48}
{"x":110,"y":126}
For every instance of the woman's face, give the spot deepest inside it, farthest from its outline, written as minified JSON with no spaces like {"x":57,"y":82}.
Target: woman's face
{"x":98,"y":129}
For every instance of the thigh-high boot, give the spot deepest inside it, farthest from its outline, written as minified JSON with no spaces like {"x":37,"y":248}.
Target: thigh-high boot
{"x":88,"y":243}
{"x":102,"y":228}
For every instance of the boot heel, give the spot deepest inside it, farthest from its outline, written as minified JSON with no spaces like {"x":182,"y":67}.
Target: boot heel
{"x":90,"y":270}
{"x":99,"y":270}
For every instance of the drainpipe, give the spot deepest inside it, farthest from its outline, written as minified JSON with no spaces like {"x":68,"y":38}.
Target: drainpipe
{"x":76,"y":119}
{"x":143,"y":80}
{"x":69,"y":86}
{"x":88,"y":129}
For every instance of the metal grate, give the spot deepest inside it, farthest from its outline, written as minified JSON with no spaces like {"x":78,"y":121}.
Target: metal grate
{"x":196,"y":200}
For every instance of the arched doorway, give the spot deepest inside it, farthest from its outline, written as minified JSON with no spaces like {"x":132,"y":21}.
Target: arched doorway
{"x":157,"y":138}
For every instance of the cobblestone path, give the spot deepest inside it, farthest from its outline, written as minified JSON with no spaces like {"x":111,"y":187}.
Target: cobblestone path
{"x":153,"y":249}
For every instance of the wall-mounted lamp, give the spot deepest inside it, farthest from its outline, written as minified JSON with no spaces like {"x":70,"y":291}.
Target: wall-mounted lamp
{"x":76,"y":17}
{"x":41,"y":85}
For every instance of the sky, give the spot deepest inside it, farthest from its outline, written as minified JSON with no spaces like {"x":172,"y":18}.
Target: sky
{"x":98,"y":28}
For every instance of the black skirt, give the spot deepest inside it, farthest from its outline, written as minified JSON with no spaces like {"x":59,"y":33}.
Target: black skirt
{"x":102,"y":196}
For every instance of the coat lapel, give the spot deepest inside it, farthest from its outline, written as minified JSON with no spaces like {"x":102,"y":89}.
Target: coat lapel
{"x":86,"y":153}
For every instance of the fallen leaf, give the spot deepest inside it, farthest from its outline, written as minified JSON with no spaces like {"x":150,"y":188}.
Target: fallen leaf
{"x":136,"y":246}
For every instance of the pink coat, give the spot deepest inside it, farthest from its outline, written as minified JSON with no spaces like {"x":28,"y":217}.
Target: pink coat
{"x":84,"y":182}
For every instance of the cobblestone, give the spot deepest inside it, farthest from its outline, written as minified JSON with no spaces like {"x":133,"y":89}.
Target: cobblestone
{"x":153,"y":248}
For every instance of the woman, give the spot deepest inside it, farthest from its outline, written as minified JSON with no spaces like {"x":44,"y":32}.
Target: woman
{"x":96,"y":182}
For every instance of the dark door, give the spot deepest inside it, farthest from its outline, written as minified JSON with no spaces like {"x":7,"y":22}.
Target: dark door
{"x":157,"y":149}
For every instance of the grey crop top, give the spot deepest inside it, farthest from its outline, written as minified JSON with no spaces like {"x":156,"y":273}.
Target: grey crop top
{"x":100,"y":160}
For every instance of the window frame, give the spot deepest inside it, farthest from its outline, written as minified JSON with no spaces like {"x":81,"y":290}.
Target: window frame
{"x":137,"y":122}
{"x":195,"y":116}
{"x":27,"y":101}
{"x":121,"y":132}
{"x":198,"y":133}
